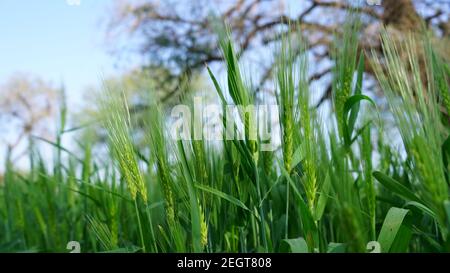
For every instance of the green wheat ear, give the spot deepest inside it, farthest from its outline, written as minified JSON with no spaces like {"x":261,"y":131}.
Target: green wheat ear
{"x":159,"y":149}
{"x":117,"y":122}
{"x":417,"y":116}
{"x":203,"y":227}
{"x":285,"y":71}
{"x":102,"y":232}
{"x":345,"y":55}
{"x":440,"y":74}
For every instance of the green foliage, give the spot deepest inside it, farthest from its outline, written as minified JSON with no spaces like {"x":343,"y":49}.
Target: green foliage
{"x":395,"y":232}
{"x":419,"y":121}
{"x":327,"y":189}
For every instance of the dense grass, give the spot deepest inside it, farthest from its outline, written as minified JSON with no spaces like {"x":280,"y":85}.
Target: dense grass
{"x":328,"y":188}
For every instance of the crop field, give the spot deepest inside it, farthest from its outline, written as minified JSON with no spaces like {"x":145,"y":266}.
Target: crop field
{"x":323,"y":183}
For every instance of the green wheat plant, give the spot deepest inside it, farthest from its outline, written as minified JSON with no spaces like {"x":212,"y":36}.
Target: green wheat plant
{"x":415,"y":107}
{"x":335,"y":181}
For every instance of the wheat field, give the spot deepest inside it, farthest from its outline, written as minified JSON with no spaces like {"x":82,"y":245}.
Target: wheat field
{"x":339,"y":186}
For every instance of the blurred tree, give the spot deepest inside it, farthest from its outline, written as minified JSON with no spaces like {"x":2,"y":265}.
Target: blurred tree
{"x":180,"y":34}
{"x":27,"y":107}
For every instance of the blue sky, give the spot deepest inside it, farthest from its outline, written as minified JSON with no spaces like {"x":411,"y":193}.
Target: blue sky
{"x":56,"y":41}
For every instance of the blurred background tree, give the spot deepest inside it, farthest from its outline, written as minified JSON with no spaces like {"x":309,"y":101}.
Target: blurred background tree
{"x":176,"y":38}
{"x":180,"y":35}
{"x":28,"y":106}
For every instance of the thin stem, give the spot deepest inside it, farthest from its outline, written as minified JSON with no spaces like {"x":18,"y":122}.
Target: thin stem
{"x":150,"y":221}
{"x":261,"y":210}
{"x":287,"y":209}
{"x":140,"y":225}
